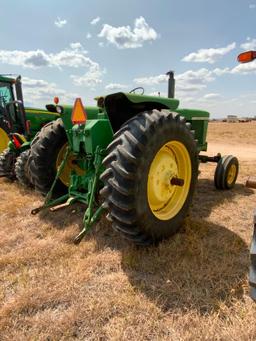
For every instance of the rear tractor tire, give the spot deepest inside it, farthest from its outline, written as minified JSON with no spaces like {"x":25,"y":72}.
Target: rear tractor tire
{"x":21,"y":169}
{"x":226,"y":172}
{"x":47,"y":152}
{"x":7,"y":164}
{"x":151,"y":173}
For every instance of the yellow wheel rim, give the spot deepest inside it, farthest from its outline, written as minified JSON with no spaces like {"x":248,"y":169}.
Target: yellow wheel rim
{"x":231,"y":174}
{"x":165,"y":197}
{"x":4,"y":139}
{"x":70,"y":166}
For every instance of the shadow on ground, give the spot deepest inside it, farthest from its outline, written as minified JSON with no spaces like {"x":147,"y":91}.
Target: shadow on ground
{"x":197,"y":269}
{"x":202,"y":267}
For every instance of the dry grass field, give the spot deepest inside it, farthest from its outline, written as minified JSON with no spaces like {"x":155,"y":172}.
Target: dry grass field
{"x":191,"y":287}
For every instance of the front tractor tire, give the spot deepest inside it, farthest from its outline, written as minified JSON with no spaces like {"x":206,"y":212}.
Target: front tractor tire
{"x":151,"y":173}
{"x":45,"y":157}
{"x":21,"y":169}
{"x":226,"y":172}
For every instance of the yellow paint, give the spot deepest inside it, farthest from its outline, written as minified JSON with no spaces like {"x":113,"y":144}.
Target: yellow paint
{"x":70,"y":165}
{"x":4,"y":140}
{"x":231,"y":174}
{"x":171,"y":161}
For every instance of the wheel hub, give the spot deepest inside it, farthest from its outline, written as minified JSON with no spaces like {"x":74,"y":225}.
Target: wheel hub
{"x":231,"y":174}
{"x":169,"y":180}
{"x":163,"y":170}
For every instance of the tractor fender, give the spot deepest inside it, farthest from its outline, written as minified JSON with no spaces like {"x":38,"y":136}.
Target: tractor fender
{"x":121,"y":107}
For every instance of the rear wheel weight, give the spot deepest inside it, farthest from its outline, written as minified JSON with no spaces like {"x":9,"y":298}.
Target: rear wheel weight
{"x":226,"y":172}
{"x":142,"y":203}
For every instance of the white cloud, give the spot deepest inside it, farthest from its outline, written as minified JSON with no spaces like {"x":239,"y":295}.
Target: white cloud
{"x":123,"y":37}
{"x":41,"y":92}
{"x":91,"y":78}
{"x":60,"y":23}
{"x":115,"y":86}
{"x":250,"y":44}
{"x":245,"y":69}
{"x":28,"y":59}
{"x":76,"y":46}
{"x":185,"y":99}
{"x":88,"y":35}
{"x":252,"y":6}
{"x":242,"y":69}
{"x":75,"y":57}
{"x":151,"y":80}
{"x":212,"y":96}
{"x":210,"y":55}
{"x":194,"y":81}
{"x":34,"y":59}
{"x":220,"y":72}
{"x":95,"y":21}
{"x":189,"y":81}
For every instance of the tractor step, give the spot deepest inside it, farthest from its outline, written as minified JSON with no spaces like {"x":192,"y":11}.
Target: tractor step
{"x":252,"y":272}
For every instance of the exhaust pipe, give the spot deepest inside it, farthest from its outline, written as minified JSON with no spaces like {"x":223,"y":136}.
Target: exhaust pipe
{"x":18,"y":88}
{"x":171,"y":84}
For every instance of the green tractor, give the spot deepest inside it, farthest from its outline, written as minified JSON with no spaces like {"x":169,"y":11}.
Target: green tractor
{"x":134,"y":157}
{"x":247,"y":57}
{"x":18,"y":126}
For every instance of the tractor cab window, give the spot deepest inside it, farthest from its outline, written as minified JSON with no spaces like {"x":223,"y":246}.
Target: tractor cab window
{"x":5,"y":94}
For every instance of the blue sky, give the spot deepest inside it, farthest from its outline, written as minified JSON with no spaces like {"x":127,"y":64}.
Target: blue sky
{"x":89,"y":48}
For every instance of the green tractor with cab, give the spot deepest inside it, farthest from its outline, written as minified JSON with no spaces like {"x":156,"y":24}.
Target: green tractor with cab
{"x":18,"y":127}
{"x":134,"y":157}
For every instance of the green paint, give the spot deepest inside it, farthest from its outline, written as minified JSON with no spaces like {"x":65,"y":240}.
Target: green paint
{"x":118,"y":103}
{"x":169,"y":103}
{"x":38,"y":118}
{"x":199,"y":121}
{"x":88,"y":142}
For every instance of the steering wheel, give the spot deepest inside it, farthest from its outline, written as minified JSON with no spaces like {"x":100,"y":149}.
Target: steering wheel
{"x":138,"y":88}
